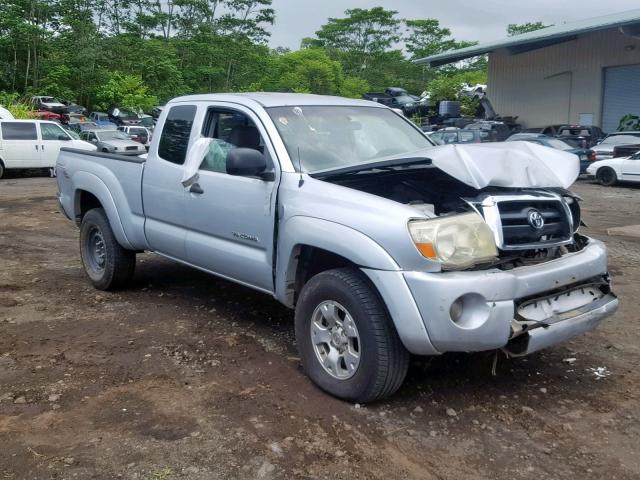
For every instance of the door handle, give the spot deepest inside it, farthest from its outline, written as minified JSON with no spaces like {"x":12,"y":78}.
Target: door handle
{"x":36,"y":147}
{"x":195,"y":188}
{"x":42,"y":147}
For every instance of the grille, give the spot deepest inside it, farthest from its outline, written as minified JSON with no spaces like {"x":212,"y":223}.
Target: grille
{"x":517,"y":231}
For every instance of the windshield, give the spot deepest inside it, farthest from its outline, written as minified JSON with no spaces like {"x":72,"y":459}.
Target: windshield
{"x":621,"y":140}
{"x":402,"y":99}
{"x":559,"y":144}
{"x":112,"y":135}
{"x":72,"y":134}
{"x":126,"y":114}
{"x":328,"y":137}
{"x":49,"y":100}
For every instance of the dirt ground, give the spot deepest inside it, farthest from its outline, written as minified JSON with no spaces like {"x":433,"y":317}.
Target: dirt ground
{"x":187,"y":376}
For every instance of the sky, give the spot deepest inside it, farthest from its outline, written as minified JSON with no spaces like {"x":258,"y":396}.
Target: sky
{"x":481,"y":20}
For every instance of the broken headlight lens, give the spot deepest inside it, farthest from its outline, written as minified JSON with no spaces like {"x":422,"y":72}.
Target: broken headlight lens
{"x":459,"y":241}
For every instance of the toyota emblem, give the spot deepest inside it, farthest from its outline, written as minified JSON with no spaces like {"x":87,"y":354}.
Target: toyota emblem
{"x":535,"y":219}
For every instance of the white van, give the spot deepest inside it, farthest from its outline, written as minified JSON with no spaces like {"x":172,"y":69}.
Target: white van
{"x":5,"y":114}
{"x":33,"y":144}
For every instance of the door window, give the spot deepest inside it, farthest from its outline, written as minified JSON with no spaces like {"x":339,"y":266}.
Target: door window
{"x":229,"y":130}
{"x":174,"y":140}
{"x":466,"y":137}
{"x":51,"y":132}
{"x":19,"y":131}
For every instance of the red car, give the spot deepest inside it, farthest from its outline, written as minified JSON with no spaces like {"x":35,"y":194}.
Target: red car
{"x":46,"y":115}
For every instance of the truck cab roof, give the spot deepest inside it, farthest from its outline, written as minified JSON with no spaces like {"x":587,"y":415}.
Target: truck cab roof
{"x":276,"y":99}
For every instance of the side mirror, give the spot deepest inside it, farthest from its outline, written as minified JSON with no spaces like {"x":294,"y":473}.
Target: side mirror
{"x":247,"y":162}
{"x":63,"y":137}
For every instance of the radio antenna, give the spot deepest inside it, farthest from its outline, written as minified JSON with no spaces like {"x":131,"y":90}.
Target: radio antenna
{"x":301,"y":181}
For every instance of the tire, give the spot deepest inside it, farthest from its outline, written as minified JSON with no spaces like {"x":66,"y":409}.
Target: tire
{"x":107,"y":264}
{"x":382,"y":359}
{"x":606,"y":176}
{"x":105,"y":150}
{"x":1,"y":169}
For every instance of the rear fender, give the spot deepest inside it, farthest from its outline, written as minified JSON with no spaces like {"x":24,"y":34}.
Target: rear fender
{"x":84,"y":181}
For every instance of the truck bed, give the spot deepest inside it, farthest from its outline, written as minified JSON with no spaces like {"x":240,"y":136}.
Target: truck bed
{"x":117,"y":182}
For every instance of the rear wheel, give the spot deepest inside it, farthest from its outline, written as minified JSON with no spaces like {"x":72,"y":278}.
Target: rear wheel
{"x":606,"y":176}
{"x":108,"y":265}
{"x":347,"y":341}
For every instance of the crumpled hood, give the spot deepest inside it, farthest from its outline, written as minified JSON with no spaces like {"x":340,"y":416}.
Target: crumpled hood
{"x":506,"y":164}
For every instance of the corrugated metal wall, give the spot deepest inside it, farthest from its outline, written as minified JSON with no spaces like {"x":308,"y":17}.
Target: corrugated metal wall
{"x":621,"y":95}
{"x":558,"y":83}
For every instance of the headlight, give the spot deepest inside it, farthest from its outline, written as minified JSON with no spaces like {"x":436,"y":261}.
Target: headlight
{"x":457,"y":242}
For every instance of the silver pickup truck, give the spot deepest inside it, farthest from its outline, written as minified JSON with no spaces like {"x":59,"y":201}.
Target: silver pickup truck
{"x":343,"y":210}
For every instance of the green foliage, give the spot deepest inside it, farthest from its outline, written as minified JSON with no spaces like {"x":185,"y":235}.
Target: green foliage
{"x":57,"y":82}
{"x":447,"y":87}
{"x":426,"y":37}
{"x":18,"y":108}
{"x":126,"y":91}
{"x":629,"y":122}
{"x":518,"y":29}
{"x":353,"y":87}
{"x":132,"y":53}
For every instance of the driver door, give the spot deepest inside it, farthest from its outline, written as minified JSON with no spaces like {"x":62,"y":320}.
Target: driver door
{"x":51,"y":135}
{"x":231,"y":219}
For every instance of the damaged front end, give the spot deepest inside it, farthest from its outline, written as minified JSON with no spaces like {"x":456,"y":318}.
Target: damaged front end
{"x":564,"y":313}
{"x":529,"y":225}
{"x":544,"y":283}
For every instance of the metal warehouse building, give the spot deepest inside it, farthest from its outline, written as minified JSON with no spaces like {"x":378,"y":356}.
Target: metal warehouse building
{"x":585,"y":72}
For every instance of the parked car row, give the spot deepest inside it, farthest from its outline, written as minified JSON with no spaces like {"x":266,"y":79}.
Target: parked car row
{"x":585,"y":155}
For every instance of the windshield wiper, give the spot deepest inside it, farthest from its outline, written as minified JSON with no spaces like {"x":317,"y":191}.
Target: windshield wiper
{"x":379,"y":165}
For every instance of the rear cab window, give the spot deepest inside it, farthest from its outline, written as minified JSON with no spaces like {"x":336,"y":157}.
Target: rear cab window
{"x":19,"y":131}
{"x":174,"y":139}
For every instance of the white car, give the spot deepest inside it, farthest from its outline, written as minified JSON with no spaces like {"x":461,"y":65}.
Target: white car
{"x":474,"y":91}
{"x":33,"y":144}
{"x":48,"y":103}
{"x":605,"y":148}
{"x":612,"y":170}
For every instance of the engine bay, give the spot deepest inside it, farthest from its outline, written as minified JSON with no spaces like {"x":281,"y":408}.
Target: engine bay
{"x":431,"y":191}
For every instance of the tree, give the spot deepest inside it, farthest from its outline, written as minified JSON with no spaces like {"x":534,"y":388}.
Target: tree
{"x":303,"y":71}
{"x":518,"y":29}
{"x":125,"y":91}
{"x":360,"y":36}
{"x":427,"y":37}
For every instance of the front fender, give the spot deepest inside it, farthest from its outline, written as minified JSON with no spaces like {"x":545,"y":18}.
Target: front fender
{"x":85,"y":181}
{"x":333,"y":237}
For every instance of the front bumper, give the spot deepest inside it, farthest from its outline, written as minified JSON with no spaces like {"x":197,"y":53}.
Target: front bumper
{"x":582,"y":320}
{"x":491,"y":298}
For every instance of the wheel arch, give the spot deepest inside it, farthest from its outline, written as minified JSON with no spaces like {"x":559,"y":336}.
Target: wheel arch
{"x":91,"y":192}
{"x":307,"y":246}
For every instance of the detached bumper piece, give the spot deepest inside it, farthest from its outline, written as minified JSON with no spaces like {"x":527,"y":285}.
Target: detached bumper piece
{"x":545,"y":321}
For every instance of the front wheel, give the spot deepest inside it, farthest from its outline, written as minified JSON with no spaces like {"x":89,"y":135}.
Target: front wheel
{"x":606,"y":176}
{"x":108,"y":265}
{"x":348,"y":344}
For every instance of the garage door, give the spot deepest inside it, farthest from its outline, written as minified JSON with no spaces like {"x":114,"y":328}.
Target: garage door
{"x":621,"y":95}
